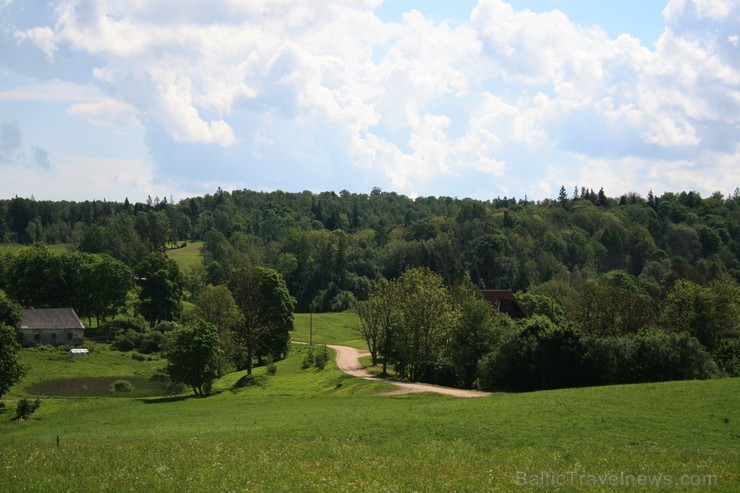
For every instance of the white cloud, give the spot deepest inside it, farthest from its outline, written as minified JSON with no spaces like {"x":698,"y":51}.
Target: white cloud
{"x":108,"y":113}
{"x":90,"y":176}
{"x":43,"y":37}
{"x":52,"y":90}
{"x":417,"y":100}
{"x":717,"y":10}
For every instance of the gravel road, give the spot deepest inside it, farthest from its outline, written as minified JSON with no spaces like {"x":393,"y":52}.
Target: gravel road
{"x":348,"y":360}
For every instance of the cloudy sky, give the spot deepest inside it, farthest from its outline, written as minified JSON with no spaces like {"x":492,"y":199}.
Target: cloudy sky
{"x":112,"y":99}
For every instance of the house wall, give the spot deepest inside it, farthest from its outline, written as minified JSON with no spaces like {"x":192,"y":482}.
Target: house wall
{"x":53,"y":337}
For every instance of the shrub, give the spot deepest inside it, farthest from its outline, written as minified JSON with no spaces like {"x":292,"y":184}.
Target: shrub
{"x":166,"y":326}
{"x":321,"y":358}
{"x":121,"y":386}
{"x":271,"y":367}
{"x":140,"y":357}
{"x":160,"y":376}
{"x":127,"y":340}
{"x":174,"y":388}
{"x":111,"y":328}
{"x":441,"y":371}
{"x":308,"y":360}
{"x":25,"y":408}
{"x":151,"y":342}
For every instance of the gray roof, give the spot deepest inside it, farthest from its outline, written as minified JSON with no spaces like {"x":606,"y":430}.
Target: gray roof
{"x":50,"y":318}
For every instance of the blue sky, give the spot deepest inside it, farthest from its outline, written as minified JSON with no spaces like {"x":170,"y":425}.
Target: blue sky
{"x":483,"y":98}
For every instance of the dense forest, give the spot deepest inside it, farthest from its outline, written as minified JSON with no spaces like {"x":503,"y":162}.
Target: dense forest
{"x":605,"y":267}
{"x":331,"y":248}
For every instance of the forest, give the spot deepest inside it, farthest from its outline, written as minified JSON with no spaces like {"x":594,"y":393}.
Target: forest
{"x":605,"y":274}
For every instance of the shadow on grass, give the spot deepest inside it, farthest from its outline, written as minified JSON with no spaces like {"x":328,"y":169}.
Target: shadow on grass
{"x":250,"y":381}
{"x":177,"y":398}
{"x":164,"y":400}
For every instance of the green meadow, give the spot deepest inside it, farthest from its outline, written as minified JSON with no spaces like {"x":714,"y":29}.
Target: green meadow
{"x":311,"y":430}
{"x":187,"y":256}
{"x":328,"y":328}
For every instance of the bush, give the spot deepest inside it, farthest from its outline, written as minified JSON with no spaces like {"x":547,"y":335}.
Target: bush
{"x":438,"y":372}
{"x":127,"y":340}
{"x":111,"y":328}
{"x":160,"y":375}
{"x":121,"y":386}
{"x":166,"y":326}
{"x":25,"y":408}
{"x":308,"y":360}
{"x":321,"y":358}
{"x":140,"y":357}
{"x":174,"y":388}
{"x":151,"y":342}
{"x":271,"y":367}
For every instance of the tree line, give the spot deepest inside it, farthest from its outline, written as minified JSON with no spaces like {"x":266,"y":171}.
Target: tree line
{"x":451,"y":336}
{"x":609,"y":268}
{"x":229,"y":327}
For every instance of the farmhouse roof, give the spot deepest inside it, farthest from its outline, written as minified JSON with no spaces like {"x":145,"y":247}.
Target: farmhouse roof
{"x":505,"y":301}
{"x":50,"y":318}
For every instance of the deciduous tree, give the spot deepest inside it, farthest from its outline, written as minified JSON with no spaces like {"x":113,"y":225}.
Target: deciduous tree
{"x":216,"y":305}
{"x":193,"y":354}
{"x":161,"y":288}
{"x":11,"y":369}
{"x":267,"y":313}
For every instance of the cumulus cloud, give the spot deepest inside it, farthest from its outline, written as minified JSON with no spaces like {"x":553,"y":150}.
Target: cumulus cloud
{"x":43,"y":37}
{"x":108,"y":113}
{"x":416,"y":100}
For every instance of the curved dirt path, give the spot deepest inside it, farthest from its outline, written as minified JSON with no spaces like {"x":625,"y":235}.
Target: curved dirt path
{"x":348,"y":360}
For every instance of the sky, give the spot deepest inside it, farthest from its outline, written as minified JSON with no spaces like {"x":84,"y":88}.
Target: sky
{"x":173,"y":98}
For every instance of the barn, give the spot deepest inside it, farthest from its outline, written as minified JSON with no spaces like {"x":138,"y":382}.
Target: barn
{"x":504,"y":301}
{"x":54,"y":326}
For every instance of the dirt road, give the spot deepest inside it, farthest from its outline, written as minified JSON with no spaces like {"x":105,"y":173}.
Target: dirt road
{"x":348,"y":360}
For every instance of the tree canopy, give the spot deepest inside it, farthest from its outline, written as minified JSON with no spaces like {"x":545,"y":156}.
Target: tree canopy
{"x":11,"y":369}
{"x":192,"y":352}
{"x":266,"y":309}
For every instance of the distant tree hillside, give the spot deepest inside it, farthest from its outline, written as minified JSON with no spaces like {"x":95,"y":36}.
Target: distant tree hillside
{"x":333,"y":248}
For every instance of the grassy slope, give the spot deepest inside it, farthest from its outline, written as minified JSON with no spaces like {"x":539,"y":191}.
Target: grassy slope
{"x":306,"y":430}
{"x":329,"y":328}
{"x":188,"y":256}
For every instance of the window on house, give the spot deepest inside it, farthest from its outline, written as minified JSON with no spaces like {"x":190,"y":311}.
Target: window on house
{"x":36,"y":337}
{"x":69,"y":336}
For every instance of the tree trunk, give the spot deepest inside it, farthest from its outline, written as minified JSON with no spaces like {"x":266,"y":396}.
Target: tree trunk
{"x":250,"y":355}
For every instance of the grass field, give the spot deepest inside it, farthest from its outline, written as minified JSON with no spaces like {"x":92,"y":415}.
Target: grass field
{"x":188,"y":256}
{"x":310,"y":430}
{"x":329,"y":328}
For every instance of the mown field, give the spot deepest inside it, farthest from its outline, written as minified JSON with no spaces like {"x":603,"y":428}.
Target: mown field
{"x":311,"y":430}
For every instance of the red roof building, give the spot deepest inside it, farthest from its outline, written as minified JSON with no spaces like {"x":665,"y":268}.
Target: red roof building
{"x":504,"y":301}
